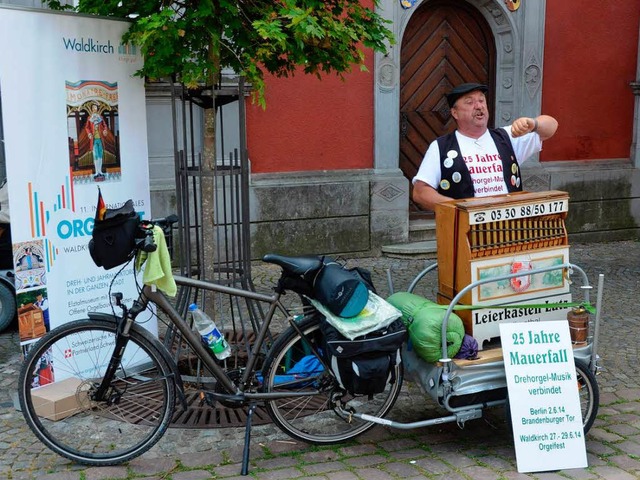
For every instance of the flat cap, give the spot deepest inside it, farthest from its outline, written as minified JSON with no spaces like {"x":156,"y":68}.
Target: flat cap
{"x":463,"y":89}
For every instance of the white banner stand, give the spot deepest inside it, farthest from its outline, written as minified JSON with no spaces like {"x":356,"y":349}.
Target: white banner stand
{"x":74,"y":118}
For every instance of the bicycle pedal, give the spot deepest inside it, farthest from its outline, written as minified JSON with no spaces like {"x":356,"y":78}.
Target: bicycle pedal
{"x":208,"y":398}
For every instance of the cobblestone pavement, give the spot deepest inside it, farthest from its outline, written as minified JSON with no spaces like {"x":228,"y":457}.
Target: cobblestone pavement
{"x":482,"y":450}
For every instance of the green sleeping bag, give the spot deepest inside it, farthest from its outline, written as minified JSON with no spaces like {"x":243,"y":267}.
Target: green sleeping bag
{"x":423,"y":319}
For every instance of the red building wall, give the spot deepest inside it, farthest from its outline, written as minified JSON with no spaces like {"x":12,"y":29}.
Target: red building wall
{"x":590,"y":59}
{"x":312,"y":124}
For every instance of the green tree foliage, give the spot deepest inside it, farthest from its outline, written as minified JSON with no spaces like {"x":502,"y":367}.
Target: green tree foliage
{"x":195,"y":39}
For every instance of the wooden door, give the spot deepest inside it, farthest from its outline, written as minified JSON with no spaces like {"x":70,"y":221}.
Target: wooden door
{"x":445,"y":44}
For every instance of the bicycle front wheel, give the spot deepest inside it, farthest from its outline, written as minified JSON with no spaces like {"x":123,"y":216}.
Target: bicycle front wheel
{"x":131,"y":417}
{"x":291,"y":367}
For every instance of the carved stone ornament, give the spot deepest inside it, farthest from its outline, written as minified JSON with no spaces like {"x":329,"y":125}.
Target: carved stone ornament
{"x":496,"y":13}
{"x":386,"y":77}
{"x":532,"y":75}
{"x":389,"y":192}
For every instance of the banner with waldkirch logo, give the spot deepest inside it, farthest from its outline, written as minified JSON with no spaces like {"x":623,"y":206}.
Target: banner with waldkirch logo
{"x":73,"y":125}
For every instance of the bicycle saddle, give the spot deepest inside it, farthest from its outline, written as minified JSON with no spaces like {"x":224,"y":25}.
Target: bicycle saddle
{"x":295,"y":265}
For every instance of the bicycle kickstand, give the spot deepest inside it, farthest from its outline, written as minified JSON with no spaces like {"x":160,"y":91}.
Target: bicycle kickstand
{"x":247,"y":439}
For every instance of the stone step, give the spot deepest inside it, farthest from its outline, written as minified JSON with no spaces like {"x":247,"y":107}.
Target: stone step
{"x":421,"y":230}
{"x":423,"y":249}
{"x":421,"y":242}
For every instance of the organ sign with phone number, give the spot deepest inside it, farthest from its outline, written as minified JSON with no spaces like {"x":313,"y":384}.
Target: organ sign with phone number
{"x":514,"y":213}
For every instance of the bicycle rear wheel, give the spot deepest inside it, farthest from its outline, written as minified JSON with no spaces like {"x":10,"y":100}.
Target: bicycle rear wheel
{"x":291,"y":367}
{"x":137,"y":408}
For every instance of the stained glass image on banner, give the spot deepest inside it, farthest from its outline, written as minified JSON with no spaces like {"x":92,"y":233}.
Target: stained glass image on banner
{"x":30,"y":267}
{"x":93,"y":131}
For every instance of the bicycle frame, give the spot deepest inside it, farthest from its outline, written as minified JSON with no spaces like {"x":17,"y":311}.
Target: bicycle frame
{"x":235,"y":391}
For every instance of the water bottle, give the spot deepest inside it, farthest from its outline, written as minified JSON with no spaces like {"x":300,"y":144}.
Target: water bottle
{"x":209,"y":332}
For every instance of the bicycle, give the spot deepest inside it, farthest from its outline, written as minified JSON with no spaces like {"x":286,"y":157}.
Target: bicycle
{"x":127,"y":383}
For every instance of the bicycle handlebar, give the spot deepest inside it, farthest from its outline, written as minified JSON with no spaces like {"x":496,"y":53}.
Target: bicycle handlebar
{"x":145,"y":240}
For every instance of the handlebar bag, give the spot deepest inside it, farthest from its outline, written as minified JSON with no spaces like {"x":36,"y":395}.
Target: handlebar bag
{"x":113,"y":238}
{"x":364,"y":365}
{"x":342,"y":291}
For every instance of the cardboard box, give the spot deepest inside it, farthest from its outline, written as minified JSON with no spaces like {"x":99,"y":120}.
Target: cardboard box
{"x":58,"y":400}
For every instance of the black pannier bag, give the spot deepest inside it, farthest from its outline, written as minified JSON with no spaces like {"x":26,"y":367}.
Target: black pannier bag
{"x":366,"y":364}
{"x":344,"y":292}
{"x":113,"y":238}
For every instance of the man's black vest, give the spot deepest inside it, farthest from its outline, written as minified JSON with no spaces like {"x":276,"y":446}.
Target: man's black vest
{"x":456,"y":178}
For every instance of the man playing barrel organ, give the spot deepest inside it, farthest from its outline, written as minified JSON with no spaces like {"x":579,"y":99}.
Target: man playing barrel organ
{"x":474,"y":160}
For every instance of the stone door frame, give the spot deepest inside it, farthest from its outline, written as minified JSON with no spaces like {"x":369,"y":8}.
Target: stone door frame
{"x":519,"y":39}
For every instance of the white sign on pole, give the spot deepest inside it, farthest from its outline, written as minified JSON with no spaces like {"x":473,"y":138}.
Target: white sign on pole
{"x":543,"y":396}
{"x":74,"y":120}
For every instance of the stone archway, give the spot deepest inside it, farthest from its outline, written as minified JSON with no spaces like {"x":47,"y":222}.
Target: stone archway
{"x":519,"y":39}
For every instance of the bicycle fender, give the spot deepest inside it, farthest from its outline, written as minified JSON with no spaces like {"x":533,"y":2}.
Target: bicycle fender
{"x":164,"y":352}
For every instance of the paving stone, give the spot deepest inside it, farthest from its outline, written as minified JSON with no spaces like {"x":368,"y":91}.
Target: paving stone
{"x":278,"y":462}
{"x":580,"y":474}
{"x":602,"y":435}
{"x":599,"y":448}
{"x":623,"y":430}
{"x":100,"y":473}
{"x":323,"y":467}
{"x":549,"y":476}
{"x":59,"y":476}
{"x":398,"y":444}
{"x":433,"y":466}
{"x":281,"y":474}
{"x":358,"y":450}
{"x":143,"y":466}
{"x":626,"y":463}
{"x":198,"y":459}
{"x":516,"y":476}
{"x":345,"y":475}
{"x":321,"y":456}
{"x":631,"y":448}
{"x":228,"y":470}
{"x":480,"y":473}
{"x":408,"y":454}
{"x":192,"y":475}
{"x":613,"y":473}
{"x":365,"y":461}
{"x":405,"y":469}
{"x":374,"y":474}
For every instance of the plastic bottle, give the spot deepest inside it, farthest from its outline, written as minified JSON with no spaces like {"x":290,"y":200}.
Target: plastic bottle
{"x":209,"y":332}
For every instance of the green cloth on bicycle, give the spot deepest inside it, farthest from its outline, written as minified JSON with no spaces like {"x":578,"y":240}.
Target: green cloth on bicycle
{"x":157,"y":265}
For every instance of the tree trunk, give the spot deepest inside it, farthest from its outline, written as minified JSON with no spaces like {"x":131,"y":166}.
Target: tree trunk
{"x":208,"y":191}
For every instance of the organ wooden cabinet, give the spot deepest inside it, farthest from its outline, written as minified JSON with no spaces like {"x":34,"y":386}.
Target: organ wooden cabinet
{"x":485,"y":237}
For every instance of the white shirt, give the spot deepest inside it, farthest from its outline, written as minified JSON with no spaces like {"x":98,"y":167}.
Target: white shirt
{"x":482,"y":159}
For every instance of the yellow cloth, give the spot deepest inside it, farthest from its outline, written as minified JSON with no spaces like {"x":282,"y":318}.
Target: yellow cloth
{"x":157,"y":270}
